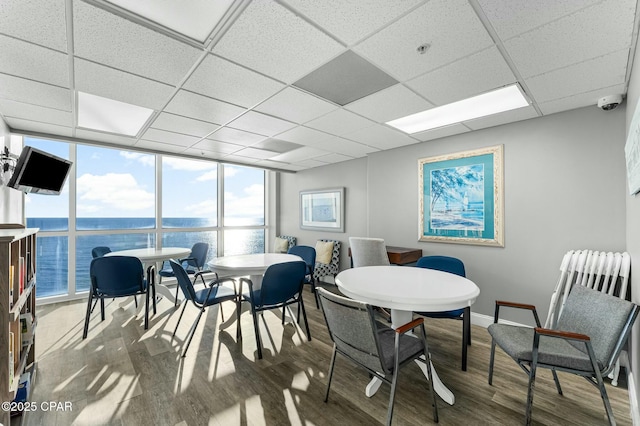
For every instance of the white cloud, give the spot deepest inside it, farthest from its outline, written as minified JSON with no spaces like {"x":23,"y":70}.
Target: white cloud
{"x":205,"y":177}
{"x":250,"y":204}
{"x":144,"y":159}
{"x":230,"y":171}
{"x":112,"y":190}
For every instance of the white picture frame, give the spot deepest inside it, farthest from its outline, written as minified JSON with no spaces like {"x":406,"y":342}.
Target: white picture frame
{"x":322,"y":209}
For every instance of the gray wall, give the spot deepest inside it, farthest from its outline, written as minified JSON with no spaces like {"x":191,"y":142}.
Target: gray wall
{"x":10,"y":199}
{"x":564,"y":189}
{"x":633,"y":230}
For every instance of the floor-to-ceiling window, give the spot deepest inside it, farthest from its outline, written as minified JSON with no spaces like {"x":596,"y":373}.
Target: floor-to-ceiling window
{"x":124,"y":199}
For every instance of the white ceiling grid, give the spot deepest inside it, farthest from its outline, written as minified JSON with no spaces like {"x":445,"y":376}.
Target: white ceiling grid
{"x":231,"y":96}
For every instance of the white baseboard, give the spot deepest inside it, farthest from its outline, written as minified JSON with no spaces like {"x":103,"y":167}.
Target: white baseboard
{"x":486,"y":320}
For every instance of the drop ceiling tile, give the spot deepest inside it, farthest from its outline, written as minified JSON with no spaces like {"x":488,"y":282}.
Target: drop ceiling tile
{"x":120,"y":86}
{"x":579,"y":101}
{"x":345,"y":79}
{"x":201,"y":107}
{"x":450,"y":26}
{"x":346,"y":147}
{"x":333,"y":158}
{"x":33,"y":62}
{"x":294,"y":168}
{"x":295,"y":105}
{"x":40,"y":22}
{"x":35,"y":126}
{"x":605,"y":71}
{"x":91,"y":136}
{"x":441,"y":132}
{"x":217,"y":146}
{"x":502,"y":118}
{"x":240,"y":159}
{"x":32,"y":92}
{"x":381,"y":137}
{"x":169,"y":137}
{"x":313,"y":163}
{"x":185,"y":125}
{"x":203,"y":153}
{"x":340,"y":122}
{"x":259,"y":154}
{"x":470,"y":76}
{"x":352,"y":21}
{"x":221,"y":79}
{"x":276,"y":145}
{"x":159,"y":146}
{"x":106,"y":38}
{"x":303,"y":135}
{"x":300,"y":154}
{"x":271,"y":164}
{"x":575,"y":38}
{"x":517,"y":16}
{"x":36,"y":113}
{"x":262,"y":124}
{"x":282,"y":45}
{"x":234,"y":136}
{"x":395,"y":102}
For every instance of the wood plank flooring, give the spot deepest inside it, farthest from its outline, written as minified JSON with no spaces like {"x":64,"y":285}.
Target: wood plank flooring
{"x":124,"y":375}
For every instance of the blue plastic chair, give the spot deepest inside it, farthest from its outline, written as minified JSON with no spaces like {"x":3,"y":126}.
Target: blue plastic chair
{"x":308,"y":254}
{"x":281,"y":286}
{"x":117,"y":276}
{"x":100,"y":251}
{"x":192,"y":264}
{"x":453,"y":266}
{"x":213,"y":294}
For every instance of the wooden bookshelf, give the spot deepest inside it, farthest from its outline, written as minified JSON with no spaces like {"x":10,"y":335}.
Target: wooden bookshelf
{"x":17,"y":297}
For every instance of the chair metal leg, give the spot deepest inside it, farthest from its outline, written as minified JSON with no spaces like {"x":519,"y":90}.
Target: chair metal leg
{"x":86,"y":317}
{"x":605,"y":398}
{"x":238,"y":313}
{"x":555,"y":379}
{"x":304,"y":315}
{"x":257,"y":331}
{"x":177,"y":288}
{"x":315,"y":293}
{"x":532,"y":377}
{"x":146,"y":309}
{"x":179,"y":318}
{"x":135,"y":300}
{"x":102,"y":308}
{"x":284,"y":311}
{"x":192,"y":331}
{"x":333,"y":363}
{"x":491,"y":357}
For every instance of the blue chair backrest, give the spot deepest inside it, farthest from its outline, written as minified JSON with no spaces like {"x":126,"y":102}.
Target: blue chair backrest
{"x":100,"y":251}
{"x":183,"y":280}
{"x":281,"y":282}
{"x":307,"y":253}
{"x":442,"y":263}
{"x":116,"y":276}
{"x":199,"y":253}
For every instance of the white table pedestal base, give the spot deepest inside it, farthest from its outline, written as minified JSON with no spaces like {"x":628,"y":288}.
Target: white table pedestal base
{"x":399,"y":318}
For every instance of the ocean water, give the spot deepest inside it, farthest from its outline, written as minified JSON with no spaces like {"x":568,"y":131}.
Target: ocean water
{"x":53,"y":251}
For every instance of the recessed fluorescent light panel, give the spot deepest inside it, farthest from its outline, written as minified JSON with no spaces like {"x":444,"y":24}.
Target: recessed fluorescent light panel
{"x":504,"y":99}
{"x":107,"y":115}
{"x":195,"y":19}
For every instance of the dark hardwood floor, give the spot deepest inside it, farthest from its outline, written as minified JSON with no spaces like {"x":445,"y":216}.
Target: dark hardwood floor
{"x":124,"y":375}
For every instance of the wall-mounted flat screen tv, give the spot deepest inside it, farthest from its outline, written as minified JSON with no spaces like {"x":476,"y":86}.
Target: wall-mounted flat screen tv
{"x":39,"y":172}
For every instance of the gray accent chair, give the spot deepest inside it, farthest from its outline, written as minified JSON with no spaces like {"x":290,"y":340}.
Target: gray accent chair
{"x":587,"y":340}
{"x":368,"y":252}
{"x":379,"y":349}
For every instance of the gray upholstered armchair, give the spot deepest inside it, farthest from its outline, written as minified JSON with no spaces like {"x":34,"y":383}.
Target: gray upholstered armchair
{"x":587,"y":340}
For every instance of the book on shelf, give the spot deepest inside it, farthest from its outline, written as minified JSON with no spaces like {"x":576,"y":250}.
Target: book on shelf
{"x":11,"y":282}
{"x":22,"y":269}
{"x":11,"y":358}
{"x":26,"y":326}
{"x":24,"y":390}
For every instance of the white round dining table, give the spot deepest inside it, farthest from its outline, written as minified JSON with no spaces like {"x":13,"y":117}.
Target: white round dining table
{"x":405,"y":290}
{"x":253,"y":265}
{"x":150,"y":256}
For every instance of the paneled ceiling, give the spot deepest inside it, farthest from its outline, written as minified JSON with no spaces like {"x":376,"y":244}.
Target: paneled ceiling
{"x":296,"y":84}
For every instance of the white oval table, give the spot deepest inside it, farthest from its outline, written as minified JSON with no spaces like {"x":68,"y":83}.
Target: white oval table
{"x":405,"y":290}
{"x":253,"y":265}
{"x":151,"y":255}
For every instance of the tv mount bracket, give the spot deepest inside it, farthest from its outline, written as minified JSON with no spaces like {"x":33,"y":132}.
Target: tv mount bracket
{"x":7,"y":160}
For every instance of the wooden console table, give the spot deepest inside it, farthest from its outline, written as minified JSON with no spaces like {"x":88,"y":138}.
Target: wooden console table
{"x":400,"y":255}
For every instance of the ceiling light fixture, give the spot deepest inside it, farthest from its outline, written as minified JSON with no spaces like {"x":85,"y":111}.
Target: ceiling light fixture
{"x":108,"y":115}
{"x":504,"y":99}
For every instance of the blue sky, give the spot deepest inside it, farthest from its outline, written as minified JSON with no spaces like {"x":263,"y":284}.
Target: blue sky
{"x":115,"y":183}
